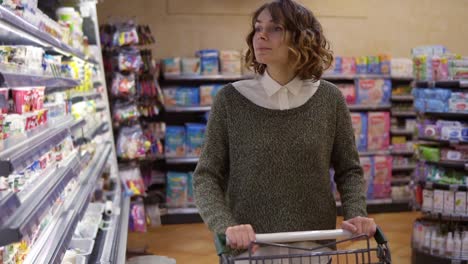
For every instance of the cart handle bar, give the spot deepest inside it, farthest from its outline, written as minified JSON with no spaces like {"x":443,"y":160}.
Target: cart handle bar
{"x":289,"y":237}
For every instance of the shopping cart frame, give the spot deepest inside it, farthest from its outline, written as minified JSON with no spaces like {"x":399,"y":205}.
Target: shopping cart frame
{"x":382,"y":250}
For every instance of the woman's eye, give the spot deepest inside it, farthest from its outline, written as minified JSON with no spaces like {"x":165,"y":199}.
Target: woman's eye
{"x":258,"y":29}
{"x":277,"y":29}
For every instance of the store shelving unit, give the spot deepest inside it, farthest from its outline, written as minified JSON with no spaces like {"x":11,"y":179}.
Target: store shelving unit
{"x":434,"y":214}
{"x":22,"y":211}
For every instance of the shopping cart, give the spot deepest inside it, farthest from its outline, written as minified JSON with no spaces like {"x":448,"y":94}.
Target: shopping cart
{"x":322,"y":254}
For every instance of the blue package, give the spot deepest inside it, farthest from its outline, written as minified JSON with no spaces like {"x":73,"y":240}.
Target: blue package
{"x":420,"y":105}
{"x":442,"y":94}
{"x":187,"y":96}
{"x":373,"y":65}
{"x":418,"y":93}
{"x":373,"y":91}
{"x":175,"y":141}
{"x":338,"y":65}
{"x":209,"y":61}
{"x":195,"y":139}
{"x":177,"y":189}
{"x":433,"y":105}
{"x":464,"y":134}
{"x":190,"y":197}
{"x":359,"y":122}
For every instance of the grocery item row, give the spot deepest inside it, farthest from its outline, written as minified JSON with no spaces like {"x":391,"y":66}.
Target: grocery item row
{"x":440,"y":100}
{"x":125,"y":34}
{"x":440,"y":240}
{"x":436,"y":63}
{"x":66,"y":27}
{"x":191,"y":96}
{"x":444,"y":130}
{"x":206,"y":62}
{"x":378,"y":65}
{"x":448,"y":202}
{"x":371,"y":130}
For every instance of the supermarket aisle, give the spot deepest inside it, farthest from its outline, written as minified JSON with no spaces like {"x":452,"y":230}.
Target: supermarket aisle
{"x":193,"y":243}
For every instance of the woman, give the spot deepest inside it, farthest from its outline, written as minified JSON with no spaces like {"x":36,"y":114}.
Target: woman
{"x":270,"y":141}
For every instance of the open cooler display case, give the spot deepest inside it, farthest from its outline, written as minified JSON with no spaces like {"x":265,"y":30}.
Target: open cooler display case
{"x":61,"y":197}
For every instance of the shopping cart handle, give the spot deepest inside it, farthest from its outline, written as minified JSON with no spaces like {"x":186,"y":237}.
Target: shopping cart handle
{"x":221,"y":241}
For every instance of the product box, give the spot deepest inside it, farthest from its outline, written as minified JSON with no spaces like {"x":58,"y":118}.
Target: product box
{"x":373,"y":65}
{"x":349,"y":92}
{"x":177,"y":189}
{"x":190,"y":197}
{"x":230,"y":62}
{"x":385,"y":64}
{"x":460,"y":203}
{"x":449,"y":202}
{"x":359,"y":122}
{"x":361,"y":65}
{"x":208,"y":93}
{"x":181,"y":96}
{"x":195,"y":139}
{"x":191,"y":66}
{"x":428,"y":196}
{"x":373,"y":91}
{"x":338,"y":65}
{"x":348,"y":66}
{"x":378,"y":131}
{"x":367,"y":167}
{"x":171,"y":66}
{"x":438,"y":201}
{"x":209,"y":61}
{"x":382,"y":178}
{"x":175,"y":141}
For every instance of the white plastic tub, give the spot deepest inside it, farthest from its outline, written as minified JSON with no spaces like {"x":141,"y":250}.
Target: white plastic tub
{"x":83,"y":247}
{"x":81,"y":259}
{"x":95,"y":208}
{"x":86,"y":230}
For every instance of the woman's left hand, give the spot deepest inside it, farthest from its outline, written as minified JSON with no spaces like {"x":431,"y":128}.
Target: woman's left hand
{"x":360,"y":225}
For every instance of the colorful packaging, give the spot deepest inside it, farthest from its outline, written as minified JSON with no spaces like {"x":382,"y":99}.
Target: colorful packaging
{"x":361,"y":65}
{"x":349,"y":66}
{"x":170,"y":97}
{"x":378,"y":131}
{"x":460,"y":203}
{"x":23,"y":99}
{"x":382,"y":178}
{"x":209,"y":61}
{"x":131,"y":143}
{"x":449,"y":202}
{"x":175,"y":141}
{"x":191,"y":66}
{"x":195,"y":139}
{"x":422,"y":67}
{"x":208,"y":93}
{"x":373,"y":91}
{"x":181,"y":96}
{"x":438,"y":201}
{"x":359,"y":122}
{"x":428,"y":196}
{"x":401,"y":67}
{"x":440,"y":68}
{"x":429,"y":153}
{"x":129,"y":59}
{"x":4,"y":100}
{"x":230,"y":62}
{"x":138,"y":217}
{"x":373,"y":65}
{"x":190,"y":197}
{"x":349,"y":92}
{"x":123,"y":85}
{"x":171,"y":66}
{"x":367,"y":167}
{"x":338,"y":65}
{"x":177,"y":189}
{"x":385,"y":64}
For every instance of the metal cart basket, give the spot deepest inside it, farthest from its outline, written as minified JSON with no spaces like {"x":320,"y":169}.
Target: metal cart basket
{"x":321,"y":254}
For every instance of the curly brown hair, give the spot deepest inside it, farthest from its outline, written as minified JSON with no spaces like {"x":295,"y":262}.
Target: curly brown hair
{"x":307,"y":43}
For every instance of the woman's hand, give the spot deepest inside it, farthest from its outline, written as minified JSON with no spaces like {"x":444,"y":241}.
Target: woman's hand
{"x":241,"y":236}
{"x":360,"y":225}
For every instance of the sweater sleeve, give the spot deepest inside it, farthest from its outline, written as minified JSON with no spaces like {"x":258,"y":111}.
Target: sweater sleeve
{"x":348,"y":171}
{"x":211,"y":173}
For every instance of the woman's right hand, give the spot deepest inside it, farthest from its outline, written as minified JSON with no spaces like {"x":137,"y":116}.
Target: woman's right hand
{"x":241,"y":236}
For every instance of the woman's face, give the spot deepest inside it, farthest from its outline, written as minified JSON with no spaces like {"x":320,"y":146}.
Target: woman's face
{"x":270,"y":41}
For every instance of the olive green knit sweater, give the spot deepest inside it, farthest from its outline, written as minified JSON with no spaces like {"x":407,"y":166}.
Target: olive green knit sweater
{"x":270,"y":168}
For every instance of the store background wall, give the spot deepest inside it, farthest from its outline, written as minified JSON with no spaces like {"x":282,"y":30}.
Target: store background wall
{"x":354,"y":27}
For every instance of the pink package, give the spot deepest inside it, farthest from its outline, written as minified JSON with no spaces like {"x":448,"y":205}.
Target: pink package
{"x":366,"y":164}
{"x":382,"y":180}
{"x":349,"y":92}
{"x":348,"y":65}
{"x":4,"y":92}
{"x":378,"y":130}
{"x":23,"y":98}
{"x":38,"y":98}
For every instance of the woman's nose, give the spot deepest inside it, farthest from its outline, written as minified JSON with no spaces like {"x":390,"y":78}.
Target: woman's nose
{"x":262,"y":34}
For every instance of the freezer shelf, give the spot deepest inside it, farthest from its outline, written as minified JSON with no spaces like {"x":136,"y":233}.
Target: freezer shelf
{"x":16,"y":30}
{"x":37,"y":201}
{"x":54,"y":242}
